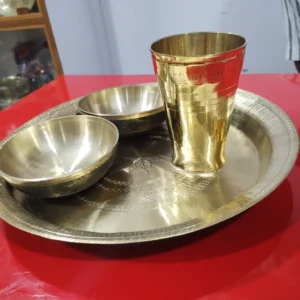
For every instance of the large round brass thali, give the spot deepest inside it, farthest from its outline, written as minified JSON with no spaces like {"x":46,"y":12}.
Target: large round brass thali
{"x":144,"y":197}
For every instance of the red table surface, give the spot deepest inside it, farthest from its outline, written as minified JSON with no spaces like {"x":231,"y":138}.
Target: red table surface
{"x":253,"y":256}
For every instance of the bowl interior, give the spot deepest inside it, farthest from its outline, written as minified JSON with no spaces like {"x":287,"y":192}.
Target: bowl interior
{"x":123,"y":100}
{"x":57,"y":147}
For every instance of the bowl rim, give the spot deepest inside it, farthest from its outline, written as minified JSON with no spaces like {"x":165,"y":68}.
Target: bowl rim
{"x":116,"y":117}
{"x":71,"y":175}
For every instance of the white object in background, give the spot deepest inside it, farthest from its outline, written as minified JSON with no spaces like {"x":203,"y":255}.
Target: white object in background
{"x":113,"y":36}
{"x":80,"y":36}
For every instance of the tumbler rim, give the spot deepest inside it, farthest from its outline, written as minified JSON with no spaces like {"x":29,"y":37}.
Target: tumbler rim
{"x":180,"y":57}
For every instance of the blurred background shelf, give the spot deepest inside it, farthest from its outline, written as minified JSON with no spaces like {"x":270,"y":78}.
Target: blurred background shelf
{"x":27,"y":21}
{"x":28,"y":54}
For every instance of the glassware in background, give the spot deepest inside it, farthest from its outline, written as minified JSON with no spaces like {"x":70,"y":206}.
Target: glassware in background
{"x":9,"y":8}
{"x":24,"y":55}
{"x":13,"y":88}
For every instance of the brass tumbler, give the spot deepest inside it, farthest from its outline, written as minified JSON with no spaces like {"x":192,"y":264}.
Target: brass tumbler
{"x":198,"y":75}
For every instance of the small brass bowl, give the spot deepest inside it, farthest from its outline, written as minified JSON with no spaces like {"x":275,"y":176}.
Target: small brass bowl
{"x":59,"y":157}
{"x":134,"y":109}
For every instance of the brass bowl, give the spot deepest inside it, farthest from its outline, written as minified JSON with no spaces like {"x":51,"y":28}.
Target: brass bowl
{"x":59,"y":157}
{"x":134,"y":109}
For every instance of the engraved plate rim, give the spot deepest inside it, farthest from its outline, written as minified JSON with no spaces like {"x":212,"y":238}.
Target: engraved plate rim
{"x":261,"y":109}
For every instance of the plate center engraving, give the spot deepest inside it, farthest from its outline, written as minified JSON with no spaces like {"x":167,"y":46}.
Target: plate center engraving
{"x":143,"y":177}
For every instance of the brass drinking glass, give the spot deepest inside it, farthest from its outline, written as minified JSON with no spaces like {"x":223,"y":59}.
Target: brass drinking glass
{"x":198,"y":75}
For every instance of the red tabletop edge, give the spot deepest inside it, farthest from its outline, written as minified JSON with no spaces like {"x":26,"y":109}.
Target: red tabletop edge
{"x":254,"y":256}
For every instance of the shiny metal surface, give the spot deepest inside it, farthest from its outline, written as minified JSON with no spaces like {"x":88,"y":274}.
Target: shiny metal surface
{"x":145,"y":197}
{"x":59,"y":157}
{"x":198,"y":75}
{"x":12,"y":88}
{"x":134,"y":109}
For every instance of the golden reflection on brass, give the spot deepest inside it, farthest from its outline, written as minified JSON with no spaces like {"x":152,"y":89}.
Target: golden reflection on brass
{"x":198,"y":75}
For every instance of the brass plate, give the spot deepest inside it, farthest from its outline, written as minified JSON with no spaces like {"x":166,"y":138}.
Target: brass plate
{"x":144,"y":197}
